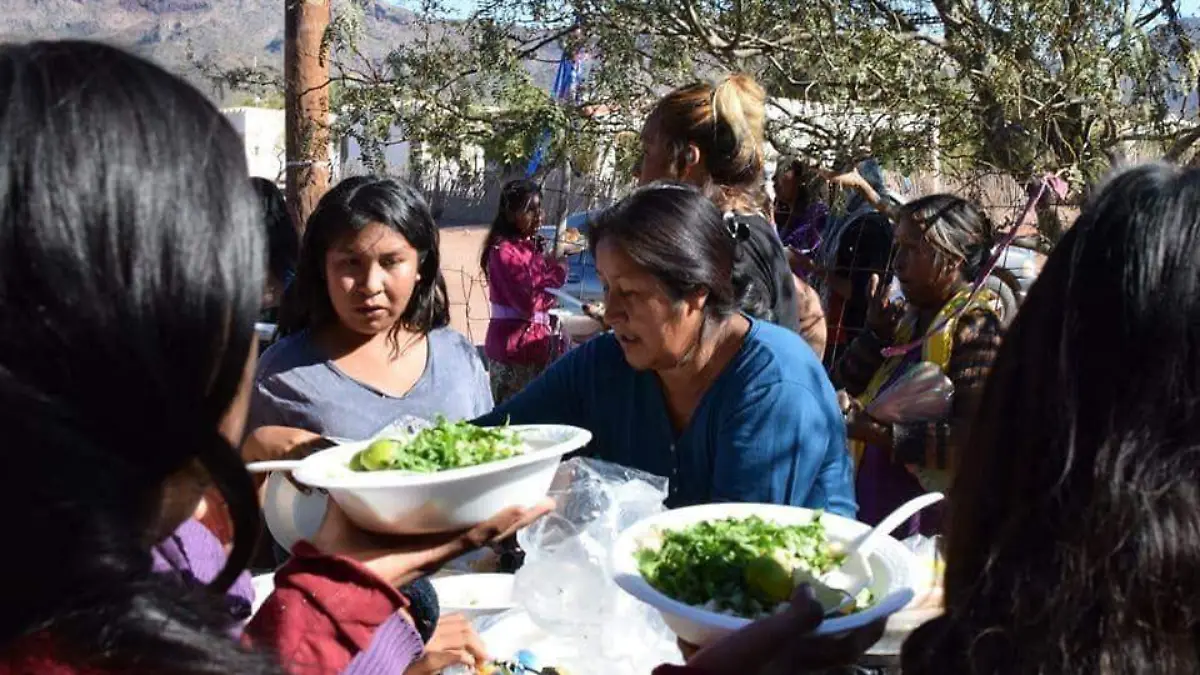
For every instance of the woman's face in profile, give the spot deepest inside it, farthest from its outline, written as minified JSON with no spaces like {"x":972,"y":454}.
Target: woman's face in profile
{"x":656,"y":163}
{"x":925,"y":283}
{"x":370,"y":277}
{"x":528,"y":218}
{"x":654,"y":332}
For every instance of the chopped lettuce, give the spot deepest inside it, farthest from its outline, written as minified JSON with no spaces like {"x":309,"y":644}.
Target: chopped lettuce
{"x":446,"y":445}
{"x":745,"y":567}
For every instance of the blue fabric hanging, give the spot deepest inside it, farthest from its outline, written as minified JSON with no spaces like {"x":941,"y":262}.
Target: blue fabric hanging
{"x":564,"y":84}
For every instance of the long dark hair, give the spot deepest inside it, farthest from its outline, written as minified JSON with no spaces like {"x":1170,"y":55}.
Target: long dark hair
{"x":515,"y":196}
{"x":808,"y":182}
{"x":348,"y":208}
{"x":676,"y":233}
{"x":283,"y":241}
{"x":130,"y":278}
{"x":1074,"y":538}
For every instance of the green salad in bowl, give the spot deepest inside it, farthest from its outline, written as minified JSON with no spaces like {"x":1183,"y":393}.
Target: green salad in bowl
{"x":446,"y":445}
{"x":746,"y":567}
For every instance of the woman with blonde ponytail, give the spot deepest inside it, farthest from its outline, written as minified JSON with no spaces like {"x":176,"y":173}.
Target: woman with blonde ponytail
{"x":712,"y":137}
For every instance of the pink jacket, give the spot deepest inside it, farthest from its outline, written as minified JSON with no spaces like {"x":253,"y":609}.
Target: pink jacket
{"x":518,"y":274}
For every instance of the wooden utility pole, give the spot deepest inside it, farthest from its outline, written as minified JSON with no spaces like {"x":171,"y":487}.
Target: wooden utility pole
{"x":306,"y":101}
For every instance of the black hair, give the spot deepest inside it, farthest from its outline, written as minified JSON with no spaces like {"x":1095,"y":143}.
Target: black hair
{"x":808,"y":187}
{"x":347,"y":209}
{"x":514,"y":196}
{"x":676,"y":233}
{"x":955,"y":227}
{"x":130,"y":279}
{"x":283,"y":241}
{"x":1074,"y":535}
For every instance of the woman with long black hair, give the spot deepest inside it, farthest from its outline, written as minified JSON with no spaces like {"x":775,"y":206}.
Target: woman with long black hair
{"x":519,"y":342}
{"x":131,"y":274}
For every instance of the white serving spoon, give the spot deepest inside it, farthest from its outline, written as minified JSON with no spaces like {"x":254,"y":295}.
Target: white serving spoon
{"x":568,"y":301}
{"x":863,"y":545}
{"x":269,"y":466}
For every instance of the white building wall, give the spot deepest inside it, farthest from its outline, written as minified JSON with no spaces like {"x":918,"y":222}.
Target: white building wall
{"x":262,"y":131}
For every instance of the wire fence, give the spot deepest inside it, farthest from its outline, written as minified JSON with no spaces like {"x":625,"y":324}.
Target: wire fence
{"x":470,"y":309}
{"x":1000,"y":196}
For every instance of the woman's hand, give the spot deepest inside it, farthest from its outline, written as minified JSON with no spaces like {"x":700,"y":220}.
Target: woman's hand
{"x":860,"y":426}
{"x":595,"y":311}
{"x":274,"y":442}
{"x":401,"y":559}
{"x":433,"y":663}
{"x":883,"y":314}
{"x":454,"y":642}
{"x":803,"y":264}
{"x":849,"y":179}
{"x":785,"y":636}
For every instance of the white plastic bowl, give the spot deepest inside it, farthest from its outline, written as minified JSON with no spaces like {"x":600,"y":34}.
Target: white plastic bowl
{"x":397,"y":502}
{"x":895,"y":571}
{"x":290,"y":514}
{"x":474,"y":595}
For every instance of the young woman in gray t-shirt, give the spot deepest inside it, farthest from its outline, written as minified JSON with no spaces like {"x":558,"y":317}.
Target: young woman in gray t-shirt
{"x":364,"y":326}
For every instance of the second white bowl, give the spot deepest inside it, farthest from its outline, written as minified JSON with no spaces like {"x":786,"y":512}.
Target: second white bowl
{"x":894,"y":570}
{"x":474,"y":595}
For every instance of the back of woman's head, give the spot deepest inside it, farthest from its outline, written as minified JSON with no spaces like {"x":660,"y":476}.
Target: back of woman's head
{"x":130,"y":279}
{"x":347,"y":209}
{"x":1075,"y":530}
{"x":676,"y":233}
{"x":283,"y":241}
{"x":515,"y":196}
{"x":956,"y":228}
{"x":726,"y":123}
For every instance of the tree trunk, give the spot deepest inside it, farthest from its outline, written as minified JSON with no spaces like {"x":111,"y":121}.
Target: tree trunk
{"x":306,"y":76}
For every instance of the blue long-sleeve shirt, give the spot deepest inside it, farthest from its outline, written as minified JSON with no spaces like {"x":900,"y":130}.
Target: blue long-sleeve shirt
{"x":768,"y":430}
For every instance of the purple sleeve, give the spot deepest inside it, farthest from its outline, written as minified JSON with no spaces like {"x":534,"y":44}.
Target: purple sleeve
{"x":394,"y":646}
{"x":193,"y":551}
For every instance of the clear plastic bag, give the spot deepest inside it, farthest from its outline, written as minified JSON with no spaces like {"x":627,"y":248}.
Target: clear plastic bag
{"x":404,"y":427}
{"x":922,"y":394}
{"x":566,"y":585}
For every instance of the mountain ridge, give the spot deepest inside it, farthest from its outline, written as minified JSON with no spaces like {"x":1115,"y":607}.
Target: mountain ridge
{"x":181,"y":34}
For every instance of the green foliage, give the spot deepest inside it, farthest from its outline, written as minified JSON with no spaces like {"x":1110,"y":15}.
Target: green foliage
{"x":1020,"y":86}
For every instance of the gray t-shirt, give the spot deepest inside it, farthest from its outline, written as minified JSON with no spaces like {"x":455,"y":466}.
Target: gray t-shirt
{"x":298,"y":386}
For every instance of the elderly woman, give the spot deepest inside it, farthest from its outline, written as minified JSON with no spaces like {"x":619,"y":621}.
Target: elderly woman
{"x":942,"y":242}
{"x":730,"y":408}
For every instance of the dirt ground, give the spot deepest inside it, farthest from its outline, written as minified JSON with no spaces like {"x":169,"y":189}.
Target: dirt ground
{"x":460,"y":265}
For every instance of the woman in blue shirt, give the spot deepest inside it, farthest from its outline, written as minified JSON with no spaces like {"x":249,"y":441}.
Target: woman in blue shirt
{"x":686,"y":386}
